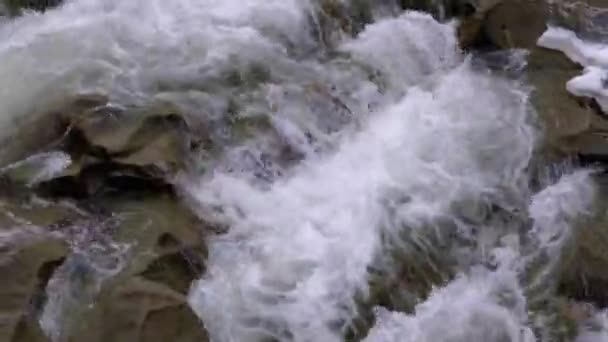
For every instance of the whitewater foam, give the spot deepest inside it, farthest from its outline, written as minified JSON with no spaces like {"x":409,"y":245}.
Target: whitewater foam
{"x":483,"y":306}
{"x":397,"y":136}
{"x":297,"y":254}
{"x":593,"y":56}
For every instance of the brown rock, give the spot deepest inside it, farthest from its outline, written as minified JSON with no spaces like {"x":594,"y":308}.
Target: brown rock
{"x":516,"y":23}
{"x":26,"y":261}
{"x":176,"y":324}
{"x":562,"y":114}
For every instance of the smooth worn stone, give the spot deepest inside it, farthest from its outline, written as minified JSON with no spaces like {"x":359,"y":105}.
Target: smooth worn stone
{"x":26,"y":262}
{"x":519,"y":23}
{"x":516,"y":23}
{"x":121,"y":310}
{"x":176,"y":324}
{"x":177,"y":270}
{"x":136,"y":137}
{"x":561,"y":114}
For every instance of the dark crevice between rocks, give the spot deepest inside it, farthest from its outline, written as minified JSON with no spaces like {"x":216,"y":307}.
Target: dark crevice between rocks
{"x":596,"y":108}
{"x":106,"y":178}
{"x":101,"y":172}
{"x":168,"y":241}
{"x":76,"y":144}
{"x":441,"y":10}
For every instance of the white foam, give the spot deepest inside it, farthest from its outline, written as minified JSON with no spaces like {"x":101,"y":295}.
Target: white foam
{"x":556,"y":208}
{"x":582,"y":52}
{"x":592,"y":83}
{"x":490,"y":305}
{"x":296,"y":255}
{"x":126,"y":49}
{"x":479,"y":307}
{"x":433,"y":134}
{"x":593,"y":56}
{"x":405,"y":57}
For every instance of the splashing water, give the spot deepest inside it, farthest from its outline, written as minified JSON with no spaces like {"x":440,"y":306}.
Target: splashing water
{"x":481,"y":307}
{"x":403,"y":145}
{"x":298,"y":254}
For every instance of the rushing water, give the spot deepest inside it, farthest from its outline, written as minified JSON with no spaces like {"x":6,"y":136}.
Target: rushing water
{"x":405,"y":148}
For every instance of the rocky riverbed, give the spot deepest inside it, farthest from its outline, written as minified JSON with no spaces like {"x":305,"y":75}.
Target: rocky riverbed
{"x":105,"y":234}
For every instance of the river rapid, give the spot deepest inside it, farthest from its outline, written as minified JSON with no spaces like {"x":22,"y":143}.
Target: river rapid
{"x":412,"y":207}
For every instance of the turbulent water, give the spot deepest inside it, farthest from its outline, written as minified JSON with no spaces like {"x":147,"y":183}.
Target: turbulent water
{"x":407,"y":155}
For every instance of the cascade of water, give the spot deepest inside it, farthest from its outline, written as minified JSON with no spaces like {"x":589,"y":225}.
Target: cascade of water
{"x":403,"y":148}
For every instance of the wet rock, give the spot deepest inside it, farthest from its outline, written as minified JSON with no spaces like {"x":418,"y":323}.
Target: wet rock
{"x":583,"y":269}
{"x":135,"y":137}
{"x":177,"y":270}
{"x":3,"y":11}
{"x":88,"y":126}
{"x":178,"y":324}
{"x":158,"y":225}
{"x":28,"y":330}
{"x":117,"y":272}
{"x":516,"y":23}
{"x":128,"y":310}
{"x":36,"y":169}
{"x":35,"y":136}
{"x":111,"y":202}
{"x":561,"y":114}
{"x":568,"y":122}
{"x":44,"y":129}
{"x":470,"y":34}
{"x":591,"y":147}
{"x":26,"y":259}
{"x":16,"y":6}
{"x":106,"y":178}
{"x":519,"y":23}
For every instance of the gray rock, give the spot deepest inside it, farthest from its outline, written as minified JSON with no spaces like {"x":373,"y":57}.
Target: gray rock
{"x":15,"y":7}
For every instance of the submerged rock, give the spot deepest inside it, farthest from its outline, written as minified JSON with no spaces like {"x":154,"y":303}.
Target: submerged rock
{"x":27,"y":259}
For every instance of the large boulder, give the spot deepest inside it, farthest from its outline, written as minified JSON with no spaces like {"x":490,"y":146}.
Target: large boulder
{"x":519,"y":23}
{"x":569,"y":123}
{"x":98,"y":240}
{"x":107,"y":274}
